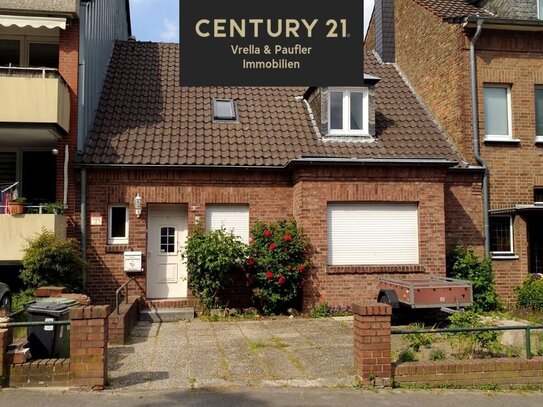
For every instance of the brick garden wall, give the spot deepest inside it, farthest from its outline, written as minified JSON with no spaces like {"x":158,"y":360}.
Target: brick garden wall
{"x":373,"y":365}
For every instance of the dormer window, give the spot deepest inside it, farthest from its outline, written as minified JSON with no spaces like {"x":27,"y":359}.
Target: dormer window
{"x":348,"y":111}
{"x":224,"y":110}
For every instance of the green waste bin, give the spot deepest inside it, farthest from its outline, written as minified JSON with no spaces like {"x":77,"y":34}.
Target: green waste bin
{"x":49,"y":341}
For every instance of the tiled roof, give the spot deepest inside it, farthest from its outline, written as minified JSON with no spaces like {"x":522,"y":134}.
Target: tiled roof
{"x":146,"y":118}
{"x":453,"y":8}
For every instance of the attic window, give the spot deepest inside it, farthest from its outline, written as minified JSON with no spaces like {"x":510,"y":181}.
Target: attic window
{"x":348,"y":112}
{"x":224,"y":110}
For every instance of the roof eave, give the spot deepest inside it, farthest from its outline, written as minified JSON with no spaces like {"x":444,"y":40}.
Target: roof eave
{"x":497,"y":23}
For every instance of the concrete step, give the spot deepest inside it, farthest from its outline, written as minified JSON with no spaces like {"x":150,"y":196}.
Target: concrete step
{"x":166,"y":314}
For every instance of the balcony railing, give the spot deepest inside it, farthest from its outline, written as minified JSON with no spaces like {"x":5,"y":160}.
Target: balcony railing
{"x":38,"y":97}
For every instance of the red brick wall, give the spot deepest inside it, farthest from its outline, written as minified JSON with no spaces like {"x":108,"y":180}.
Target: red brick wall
{"x":463,"y":203}
{"x":506,"y":371}
{"x":269,"y":195}
{"x":315,"y":187}
{"x":427,"y":52}
{"x":69,"y":69}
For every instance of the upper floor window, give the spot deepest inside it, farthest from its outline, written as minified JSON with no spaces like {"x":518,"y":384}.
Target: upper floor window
{"x":539,"y":113}
{"x":540,"y":9}
{"x":348,"y":111}
{"x":497,"y":105}
{"x":25,"y":51}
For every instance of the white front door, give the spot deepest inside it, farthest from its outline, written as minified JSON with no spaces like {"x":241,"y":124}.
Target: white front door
{"x":167,"y":230}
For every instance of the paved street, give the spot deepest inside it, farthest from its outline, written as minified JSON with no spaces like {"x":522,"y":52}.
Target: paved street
{"x":270,"y":397}
{"x":199,"y":354}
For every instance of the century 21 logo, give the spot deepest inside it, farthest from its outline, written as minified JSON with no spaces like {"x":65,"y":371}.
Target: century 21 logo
{"x":255,"y":27}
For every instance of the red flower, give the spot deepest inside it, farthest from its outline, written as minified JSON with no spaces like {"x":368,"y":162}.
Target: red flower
{"x":272,"y":246}
{"x":289,"y":268}
{"x":287,"y":238}
{"x":250,"y":261}
{"x":301,"y":283}
{"x":267,"y":233}
{"x":282,"y":279}
{"x":269,"y":274}
{"x":301,"y":268}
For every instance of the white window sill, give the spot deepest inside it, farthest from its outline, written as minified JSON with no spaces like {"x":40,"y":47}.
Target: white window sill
{"x":539,"y":140}
{"x":118,"y":241}
{"x":490,"y":139}
{"x":504,"y":257}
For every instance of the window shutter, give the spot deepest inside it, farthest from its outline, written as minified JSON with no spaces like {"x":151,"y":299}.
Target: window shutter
{"x":234,"y":218}
{"x":373,"y":234}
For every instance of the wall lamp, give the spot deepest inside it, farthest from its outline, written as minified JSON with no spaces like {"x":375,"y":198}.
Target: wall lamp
{"x":137,"y":205}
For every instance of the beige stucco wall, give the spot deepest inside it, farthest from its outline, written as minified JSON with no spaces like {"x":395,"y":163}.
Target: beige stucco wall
{"x":15,"y":230}
{"x":34,"y":100}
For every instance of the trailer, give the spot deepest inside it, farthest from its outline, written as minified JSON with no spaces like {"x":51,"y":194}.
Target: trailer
{"x":442,"y":293}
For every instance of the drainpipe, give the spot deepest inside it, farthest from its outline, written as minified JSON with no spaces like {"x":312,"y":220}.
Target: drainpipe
{"x":84,"y":221}
{"x":475,"y":125}
{"x":65,"y":186}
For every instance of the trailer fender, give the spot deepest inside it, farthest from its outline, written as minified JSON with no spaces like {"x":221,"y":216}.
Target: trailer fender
{"x":388,"y":297}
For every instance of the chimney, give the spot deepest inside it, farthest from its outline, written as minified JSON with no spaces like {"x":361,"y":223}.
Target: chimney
{"x":384,"y":29}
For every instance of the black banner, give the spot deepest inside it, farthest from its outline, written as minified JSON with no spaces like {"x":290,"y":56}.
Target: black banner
{"x":275,"y":43}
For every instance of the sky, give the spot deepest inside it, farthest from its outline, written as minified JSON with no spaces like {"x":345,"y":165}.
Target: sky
{"x":158,"y":20}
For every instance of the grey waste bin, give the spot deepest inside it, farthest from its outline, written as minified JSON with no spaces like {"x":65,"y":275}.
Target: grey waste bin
{"x":49,"y":341}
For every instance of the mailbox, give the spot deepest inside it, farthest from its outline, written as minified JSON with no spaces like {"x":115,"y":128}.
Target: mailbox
{"x":132,"y":262}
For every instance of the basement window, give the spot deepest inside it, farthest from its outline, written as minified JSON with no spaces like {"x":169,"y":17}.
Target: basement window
{"x":224,"y":110}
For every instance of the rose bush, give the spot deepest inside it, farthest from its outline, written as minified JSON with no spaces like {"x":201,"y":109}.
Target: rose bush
{"x":276,"y":264}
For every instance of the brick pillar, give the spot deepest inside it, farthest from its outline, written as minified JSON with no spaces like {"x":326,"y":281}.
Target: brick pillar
{"x":372,"y":344}
{"x":88,"y":346}
{"x":6,"y":337}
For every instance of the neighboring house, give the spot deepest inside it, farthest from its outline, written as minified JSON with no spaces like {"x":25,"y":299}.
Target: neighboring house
{"x":365,"y":171}
{"x":53,"y":59}
{"x":429,"y":41}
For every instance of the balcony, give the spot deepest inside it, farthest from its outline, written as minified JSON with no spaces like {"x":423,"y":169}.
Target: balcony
{"x":15,"y":230}
{"x":68,"y":8}
{"x":34,"y":107}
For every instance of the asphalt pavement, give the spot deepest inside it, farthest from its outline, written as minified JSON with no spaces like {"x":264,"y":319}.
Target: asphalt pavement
{"x":271,"y":397}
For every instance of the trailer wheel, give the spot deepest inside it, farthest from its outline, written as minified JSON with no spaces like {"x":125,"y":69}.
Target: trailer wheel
{"x":389,"y":297}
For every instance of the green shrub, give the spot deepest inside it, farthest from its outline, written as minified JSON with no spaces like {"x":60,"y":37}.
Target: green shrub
{"x":21,"y":298}
{"x":49,"y":260}
{"x":465,"y":264}
{"x":476,"y":343}
{"x":415,"y":341}
{"x":277,"y":264}
{"x":437,"y":354}
{"x":321,"y":310}
{"x":210,"y":258}
{"x":530,"y":293}
{"x":406,"y":355}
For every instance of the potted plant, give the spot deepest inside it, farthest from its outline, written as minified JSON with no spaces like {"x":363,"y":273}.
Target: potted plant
{"x":56,"y":208}
{"x":17,"y":205}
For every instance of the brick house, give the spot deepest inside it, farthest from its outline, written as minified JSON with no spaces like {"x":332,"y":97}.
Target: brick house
{"x":430,"y":41}
{"x":366,"y":172}
{"x":53,"y":57}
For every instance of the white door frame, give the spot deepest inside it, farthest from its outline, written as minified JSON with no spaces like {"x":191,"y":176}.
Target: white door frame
{"x":166,"y":271}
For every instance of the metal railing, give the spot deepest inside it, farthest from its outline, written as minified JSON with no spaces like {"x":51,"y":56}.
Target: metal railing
{"x":526,"y":328}
{"x":118,"y":292}
{"x":34,"y":209}
{"x":31,"y":72}
{"x":4,"y":325}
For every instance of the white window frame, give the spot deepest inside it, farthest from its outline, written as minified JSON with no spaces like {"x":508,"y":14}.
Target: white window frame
{"x":117,"y":240}
{"x":511,"y":235}
{"x":500,"y":137}
{"x":538,"y":137}
{"x":346,"y":129}
{"x":540,"y":9}
{"x":413,"y":257}
{"x":242,"y":207}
